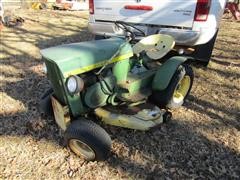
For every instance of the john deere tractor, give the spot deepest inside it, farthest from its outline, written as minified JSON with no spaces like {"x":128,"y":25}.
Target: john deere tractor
{"x":121,"y":81}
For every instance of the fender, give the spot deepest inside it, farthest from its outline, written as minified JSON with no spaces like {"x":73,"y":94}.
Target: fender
{"x":166,"y":71}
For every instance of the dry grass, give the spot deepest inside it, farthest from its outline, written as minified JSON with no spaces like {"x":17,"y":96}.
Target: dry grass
{"x":202,"y":140}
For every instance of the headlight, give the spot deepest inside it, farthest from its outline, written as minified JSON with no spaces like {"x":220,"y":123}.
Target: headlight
{"x":74,"y":84}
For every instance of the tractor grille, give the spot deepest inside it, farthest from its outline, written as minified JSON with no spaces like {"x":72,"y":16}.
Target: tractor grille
{"x":56,"y":78}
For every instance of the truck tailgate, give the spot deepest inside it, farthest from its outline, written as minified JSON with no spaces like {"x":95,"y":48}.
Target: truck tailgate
{"x":178,"y":13}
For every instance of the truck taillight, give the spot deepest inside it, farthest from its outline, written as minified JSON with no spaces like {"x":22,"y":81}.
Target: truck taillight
{"x":91,"y":6}
{"x":202,"y":10}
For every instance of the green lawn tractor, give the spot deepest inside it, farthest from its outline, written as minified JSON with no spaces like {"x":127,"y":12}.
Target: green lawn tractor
{"x":123,"y":82}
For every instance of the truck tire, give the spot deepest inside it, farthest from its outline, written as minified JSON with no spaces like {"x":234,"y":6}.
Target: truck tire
{"x":177,"y":90}
{"x":203,"y":52}
{"x":88,"y":140}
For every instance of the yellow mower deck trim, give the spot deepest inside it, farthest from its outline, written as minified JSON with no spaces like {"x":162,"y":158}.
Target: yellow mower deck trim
{"x":61,"y":113}
{"x":127,"y":121}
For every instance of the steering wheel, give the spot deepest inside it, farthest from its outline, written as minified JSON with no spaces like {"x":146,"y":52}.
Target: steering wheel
{"x":126,"y":27}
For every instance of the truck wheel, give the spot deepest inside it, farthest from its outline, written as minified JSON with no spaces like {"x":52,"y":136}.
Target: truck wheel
{"x":45,"y":103}
{"x":203,"y":52}
{"x":178,"y":89}
{"x":88,"y":140}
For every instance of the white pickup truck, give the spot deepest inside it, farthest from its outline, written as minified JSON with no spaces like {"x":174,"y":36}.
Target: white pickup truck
{"x":194,"y":24}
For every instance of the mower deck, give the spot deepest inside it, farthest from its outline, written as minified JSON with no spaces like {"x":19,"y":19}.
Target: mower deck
{"x":140,"y":117}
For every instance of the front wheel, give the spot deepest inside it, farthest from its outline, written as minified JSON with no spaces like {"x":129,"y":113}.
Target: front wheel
{"x":88,"y":140}
{"x":45,"y":103}
{"x":178,"y":89}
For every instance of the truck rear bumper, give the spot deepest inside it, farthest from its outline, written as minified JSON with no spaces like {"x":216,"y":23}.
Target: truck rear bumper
{"x":183,"y":37}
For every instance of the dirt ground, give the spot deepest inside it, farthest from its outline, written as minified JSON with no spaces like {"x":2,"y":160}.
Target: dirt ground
{"x":201,"y":142}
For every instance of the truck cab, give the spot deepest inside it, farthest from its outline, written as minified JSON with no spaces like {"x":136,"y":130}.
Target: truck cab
{"x":193,"y":24}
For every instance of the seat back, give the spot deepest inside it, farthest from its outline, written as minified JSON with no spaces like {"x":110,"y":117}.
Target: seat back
{"x":156,"y":46}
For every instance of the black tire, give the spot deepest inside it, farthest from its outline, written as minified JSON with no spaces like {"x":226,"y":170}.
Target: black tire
{"x":86,"y":133}
{"x":99,"y":37}
{"x":203,"y":52}
{"x":165,"y":98}
{"x":45,"y":103}
{"x":167,"y":117}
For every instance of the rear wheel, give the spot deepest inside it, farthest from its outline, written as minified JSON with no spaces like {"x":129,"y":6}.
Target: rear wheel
{"x":88,"y":140}
{"x":178,"y":89}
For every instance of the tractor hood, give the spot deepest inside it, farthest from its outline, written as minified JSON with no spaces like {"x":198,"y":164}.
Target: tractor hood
{"x":77,"y":58}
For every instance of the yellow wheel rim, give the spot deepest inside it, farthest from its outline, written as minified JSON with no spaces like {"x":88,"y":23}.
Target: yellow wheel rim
{"x":81,"y":149}
{"x":182,"y":89}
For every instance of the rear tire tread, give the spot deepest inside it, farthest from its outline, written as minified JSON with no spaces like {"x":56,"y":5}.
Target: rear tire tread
{"x":164,"y":97}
